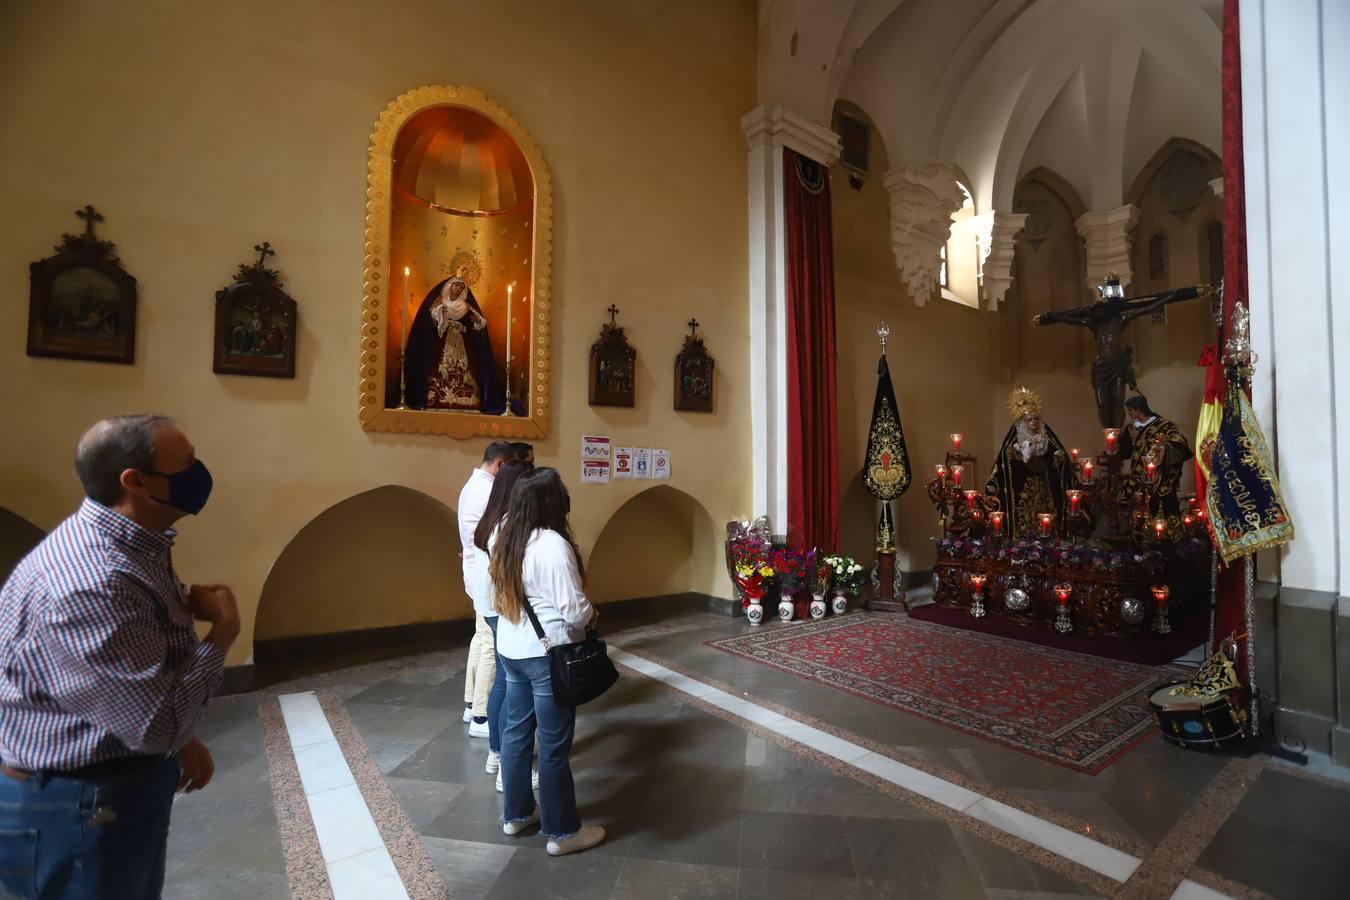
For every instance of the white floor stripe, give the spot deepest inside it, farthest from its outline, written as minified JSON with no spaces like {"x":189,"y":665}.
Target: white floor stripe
{"x":1193,"y":890}
{"x":1071,"y":845}
{"x":358,"y":863}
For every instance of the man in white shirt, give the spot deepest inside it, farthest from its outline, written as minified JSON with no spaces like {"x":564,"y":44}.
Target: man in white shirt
{"x":482,"y":663}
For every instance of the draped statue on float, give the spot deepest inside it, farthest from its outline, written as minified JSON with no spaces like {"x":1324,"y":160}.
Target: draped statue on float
{"x":1032,"y":469}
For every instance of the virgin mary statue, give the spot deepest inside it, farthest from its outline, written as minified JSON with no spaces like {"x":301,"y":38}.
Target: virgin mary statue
{"x":449,"y":363}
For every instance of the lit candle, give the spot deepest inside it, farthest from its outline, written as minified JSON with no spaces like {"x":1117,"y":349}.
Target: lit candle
{"x":407,"y":286}
{"x":1160,"y":593}
{"x":1074,"y":498}
{"x":1062,"y":592}
{"x":1151,"y":470}
{"x":1188,"y":520}
{"x":941,"y":473}
{"x":1200,"y":514}
{"x":956,"y":475}
{"x":509,"y":288}
{"x":1073,"y":454}
{"x":977,"y":583}
{"x":956,"y":442}
{"x":1111,"y":435}
{"x":997,"y":519}
{"x":1087,"y":471}
{"x":1159,"y":528}
{"x":970,"y":498}
{"x":1046,"y":520}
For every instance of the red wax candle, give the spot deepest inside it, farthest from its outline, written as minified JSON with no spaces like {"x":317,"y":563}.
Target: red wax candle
{"x":1046,"y":520}
{"x":941,"y":473}
{"x":956,"y":474}
{"x":970,"y":498}
{"x":1151,"y":469}
{"x":1074,"y":498}
{"x":1062,"y":592}
{"x":1073,"y":454}
{"x":1111,"y":435}
{"x":956,"y":442}
{"x":1087,"y":470}
{"x":1159,"y":527}
{"x":996,"y":518}
{"x":1188,"y":520}
{"x":1161,"y":593}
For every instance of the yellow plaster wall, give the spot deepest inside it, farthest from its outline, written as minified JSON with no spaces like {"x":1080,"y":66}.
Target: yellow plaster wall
{"x":201,"y":129}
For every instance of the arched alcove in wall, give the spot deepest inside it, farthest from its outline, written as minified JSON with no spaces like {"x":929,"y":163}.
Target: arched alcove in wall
{"x":661,"y":541}
{"x":1173,"y":242}
{"x":389,"y":556}
{"x":17,"y":537}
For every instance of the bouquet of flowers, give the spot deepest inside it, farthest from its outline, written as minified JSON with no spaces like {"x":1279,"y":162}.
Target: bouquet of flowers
{"x":846,"y":573}
{"x":753,"y":570}
{"x":792,"y":567}
{"x":821,"y":575}
{"x":961,"y":548}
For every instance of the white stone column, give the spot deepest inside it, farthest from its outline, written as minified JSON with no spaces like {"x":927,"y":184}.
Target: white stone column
{"x":997,"y":233}
{"x":922,"y":201}
{"x":768,"y":131}
{"x":1107,"y":236}
{"x":1296,"y":147}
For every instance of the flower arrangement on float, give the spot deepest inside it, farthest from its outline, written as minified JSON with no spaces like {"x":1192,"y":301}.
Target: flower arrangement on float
{"x":846,"y":577}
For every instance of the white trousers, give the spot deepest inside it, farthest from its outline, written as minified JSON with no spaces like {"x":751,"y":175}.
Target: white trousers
{"x":482,"y":667}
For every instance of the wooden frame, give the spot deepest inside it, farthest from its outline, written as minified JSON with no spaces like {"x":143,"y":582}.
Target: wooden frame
{"x":694,"y":370}
{"x":613,"y":373}
{"x":256,"y":322}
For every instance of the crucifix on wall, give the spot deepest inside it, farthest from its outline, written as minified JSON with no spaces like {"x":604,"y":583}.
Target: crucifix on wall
{"x":613,"y":366}
{"x":693,"y":374}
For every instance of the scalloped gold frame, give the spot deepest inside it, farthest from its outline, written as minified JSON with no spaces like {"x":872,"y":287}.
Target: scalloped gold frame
{"x":371,"y":411}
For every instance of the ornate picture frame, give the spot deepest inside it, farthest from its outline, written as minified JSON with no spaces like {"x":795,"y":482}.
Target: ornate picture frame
{"x":81,"y":302}
{"x":613,"y":372}
{"x":387,"y":294}
{"x":694,"y":369}
{"x":256,"y":323}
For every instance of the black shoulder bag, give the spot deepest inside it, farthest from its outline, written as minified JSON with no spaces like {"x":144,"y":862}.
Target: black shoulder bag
{"x":580,"y":671}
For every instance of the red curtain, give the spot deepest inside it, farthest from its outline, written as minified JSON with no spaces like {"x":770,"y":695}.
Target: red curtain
{"x":813,"y":443}
{"x":1230,"y":616}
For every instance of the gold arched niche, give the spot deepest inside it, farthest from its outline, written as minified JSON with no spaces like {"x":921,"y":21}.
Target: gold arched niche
{"x":448,"y":170}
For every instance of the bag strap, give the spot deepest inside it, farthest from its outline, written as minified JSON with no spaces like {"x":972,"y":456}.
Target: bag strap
{"x":534,"y":620}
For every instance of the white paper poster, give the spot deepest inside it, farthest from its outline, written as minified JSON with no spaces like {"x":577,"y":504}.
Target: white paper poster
{"x":661,"y":465}
{"x":623,"y":462}
{"x":595,"y":471}
{"x":642,"y":463}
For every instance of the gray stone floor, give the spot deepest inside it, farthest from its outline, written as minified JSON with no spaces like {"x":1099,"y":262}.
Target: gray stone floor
{"x":700,"y":807}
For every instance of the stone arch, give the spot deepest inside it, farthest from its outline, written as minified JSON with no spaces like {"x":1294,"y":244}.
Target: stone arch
{"x":387,"y":556}
{"x":660,"y":541}
{"x":1162,"y":156}
{"x":17,"y":537}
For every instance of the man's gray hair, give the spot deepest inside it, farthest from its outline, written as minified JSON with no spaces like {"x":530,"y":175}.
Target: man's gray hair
{"x":111,"y":446}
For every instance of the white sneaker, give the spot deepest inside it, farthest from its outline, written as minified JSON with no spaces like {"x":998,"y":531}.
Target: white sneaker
{"x":534,"y":780}
{"x":468,"y":714}
{"x":494,"y":762}
{"x":585,"y":839}
{"x":478,"y":729}
{"x":511,"y":829}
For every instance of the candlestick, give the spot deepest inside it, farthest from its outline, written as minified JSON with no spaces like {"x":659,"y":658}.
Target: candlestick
{"x":509,"y":288}
{"x":1063,"y":624}
{"x":956,"y":474}
{"x":956,"y":442}
{"x":1160,"y":624}
{"x":403,"y":351}
{"x":996,"y":519}
{"x":1111,"y":435}
{"x":970,"y":498}
{"x":1075,"y":497}
{"x":1046,"y":520}
{"x":977,"y":595}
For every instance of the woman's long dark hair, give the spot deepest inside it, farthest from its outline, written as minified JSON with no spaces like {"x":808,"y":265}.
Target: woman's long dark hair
{"x":538,"y":500}
{"x":498,"y":499}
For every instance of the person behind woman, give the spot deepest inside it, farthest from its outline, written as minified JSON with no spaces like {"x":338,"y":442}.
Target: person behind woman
{"x":492,"y":515}
{"x":535,"y":560}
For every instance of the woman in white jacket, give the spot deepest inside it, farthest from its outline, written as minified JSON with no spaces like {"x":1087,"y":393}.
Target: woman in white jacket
{"x":535,"y":560}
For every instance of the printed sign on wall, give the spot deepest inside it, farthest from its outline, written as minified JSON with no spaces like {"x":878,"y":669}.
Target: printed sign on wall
{"x":623,"y":462}
{"x":661,"y":465}
{"x":642,"y":463}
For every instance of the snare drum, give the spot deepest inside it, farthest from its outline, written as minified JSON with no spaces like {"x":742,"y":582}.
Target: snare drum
{"x":1208,"y":723}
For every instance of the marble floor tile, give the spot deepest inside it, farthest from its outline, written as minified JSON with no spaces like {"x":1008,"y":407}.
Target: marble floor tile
{"x":647,"y":879}
{"x":793,"y":842}
{"x":365,"y":876}
{"x":533,"y":874}
{"x":343,"y":824}
{"x":190,"y":881}
{"x":469,"y":868}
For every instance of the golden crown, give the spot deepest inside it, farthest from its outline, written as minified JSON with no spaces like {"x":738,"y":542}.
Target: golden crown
{"x":1023,"y":401}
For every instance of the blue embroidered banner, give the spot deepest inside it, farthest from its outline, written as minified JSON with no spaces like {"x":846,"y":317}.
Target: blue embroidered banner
{"x":1243,"y":494}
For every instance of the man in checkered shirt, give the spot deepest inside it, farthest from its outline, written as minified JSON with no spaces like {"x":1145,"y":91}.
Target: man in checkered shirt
{"x":102,"y":678}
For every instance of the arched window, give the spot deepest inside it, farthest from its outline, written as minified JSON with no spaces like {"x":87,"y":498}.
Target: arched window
{"x":959,"y":272}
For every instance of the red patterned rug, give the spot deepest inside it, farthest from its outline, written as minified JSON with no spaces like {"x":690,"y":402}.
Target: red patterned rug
{"x":1080,"y":711}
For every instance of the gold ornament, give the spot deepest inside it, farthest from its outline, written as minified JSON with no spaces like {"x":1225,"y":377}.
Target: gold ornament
{"x":1023,"y":401}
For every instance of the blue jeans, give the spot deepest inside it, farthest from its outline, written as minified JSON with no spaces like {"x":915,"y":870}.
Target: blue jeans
{"x":496,"y":699}
{"x":101,"y":837}
{"x":529,"y":698}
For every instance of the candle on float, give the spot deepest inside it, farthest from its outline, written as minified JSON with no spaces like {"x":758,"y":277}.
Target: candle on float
{"x":970,"y":498}
{"x":1151,"y":470}
{"x":1161,"y":592}
{"x":1188,"y":520}
{"x":977,"y":582}
{"x":407,"y":286}
{"x":941,"y":473}
{"x":1047,"y":520}
{"x":1087,"y":470}
{"x":956,"y":442}
{"x":996,"y":518}
{"x":1111,"y":435}
{"x":1062,"y":592}
{"x":1159,"y":528}
{"x":1200,"y":514}
{"x":1073,"y":455}
{"x":1075,"y":497}
{"x":956,"y":475}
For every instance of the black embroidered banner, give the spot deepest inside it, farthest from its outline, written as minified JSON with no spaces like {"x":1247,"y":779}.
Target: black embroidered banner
{"x":886,"y":471}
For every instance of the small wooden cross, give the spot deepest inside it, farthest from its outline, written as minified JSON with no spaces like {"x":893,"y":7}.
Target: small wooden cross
{"x":90,"y":216}
{"x":613,"y":313}
{"x":264,"y":250}
{"x":693,"y":327}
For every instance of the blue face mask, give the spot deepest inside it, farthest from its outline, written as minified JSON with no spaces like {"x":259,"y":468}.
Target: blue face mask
{"x":188,"y":489}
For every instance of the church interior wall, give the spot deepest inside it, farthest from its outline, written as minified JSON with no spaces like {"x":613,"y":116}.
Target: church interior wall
{"x":621,"y":569}
{"x":202,"y":130}
{"x":17,"y":537}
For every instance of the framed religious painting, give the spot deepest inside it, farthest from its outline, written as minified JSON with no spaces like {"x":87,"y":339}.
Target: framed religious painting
{"x":693,"y":374}
{"x":81,"y":302}
{"x":255,"y":322}
{"x":455,"y":335}
{"x":613,"y":374}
